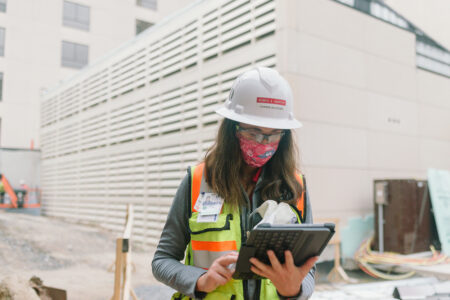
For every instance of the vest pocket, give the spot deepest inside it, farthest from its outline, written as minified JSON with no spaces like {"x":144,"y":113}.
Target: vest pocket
{"x":223,"y":223}
{"x":211,"y":240}
{"x":232,"y":290}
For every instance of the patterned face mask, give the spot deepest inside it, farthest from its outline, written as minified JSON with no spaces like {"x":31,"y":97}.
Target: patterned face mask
{"x":256,"y":154}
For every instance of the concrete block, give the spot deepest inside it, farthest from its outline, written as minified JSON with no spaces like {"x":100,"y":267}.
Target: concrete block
{"x":392,"y":114}
{"x":434,"y":154}
{"x":393,"y":151}
{"x":387,"y":41}
{"x":433,"y":89}
{"x":319,"y":58}
{"x":338,"y":191}
{"x":328,"y":102}
{"x":391,"y":78}
{"x":394,"y":174}
{"x":318,"y":18}
{"x":434,"y":122}
{"x":332,"y":146}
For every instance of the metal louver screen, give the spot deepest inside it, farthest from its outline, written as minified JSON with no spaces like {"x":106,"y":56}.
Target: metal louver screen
{"x":126,"y":129}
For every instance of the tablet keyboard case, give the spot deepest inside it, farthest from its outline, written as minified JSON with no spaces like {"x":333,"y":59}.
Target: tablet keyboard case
{"x":304,"y":241}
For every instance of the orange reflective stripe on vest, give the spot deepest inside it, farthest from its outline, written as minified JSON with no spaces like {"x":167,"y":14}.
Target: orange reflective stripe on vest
{"x":214,"y":246}
{"x":301,"y":199}
{"x":206,"y":252}
{"x":196,"y":183}
{"x":197,"y":180}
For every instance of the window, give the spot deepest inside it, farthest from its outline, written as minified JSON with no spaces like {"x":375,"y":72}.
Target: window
{"x":3,"y":5}
{"x":147,"y":3}
{"x":363,"y":6}
{"x":2,"y":41}
{"x":76,"y":15}
{"x":141,"y":26}
{"x":74,"y":55}
{"x":348,"y":2}
{"x":387,"y":14}
{"x":1,"y":86}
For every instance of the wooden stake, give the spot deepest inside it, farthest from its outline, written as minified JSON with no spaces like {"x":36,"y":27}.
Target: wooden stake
{"x":117,"y":273}
{"x":123,"y":264}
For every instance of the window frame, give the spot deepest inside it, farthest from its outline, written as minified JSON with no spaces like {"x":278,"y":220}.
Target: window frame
{"x":150,"y":4}
{"x":3,"y":5}
{"x":2,"y":80}
{"x":142,"y":21}
{"x":76,"y":22}
{"x":74,"y":64}
{"x":2,"y":41}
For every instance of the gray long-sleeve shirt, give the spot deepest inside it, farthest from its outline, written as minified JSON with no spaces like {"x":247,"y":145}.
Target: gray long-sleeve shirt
{"x":166,"y":264}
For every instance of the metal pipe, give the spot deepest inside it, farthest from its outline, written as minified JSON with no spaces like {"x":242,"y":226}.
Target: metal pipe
{"x":380,"y":228}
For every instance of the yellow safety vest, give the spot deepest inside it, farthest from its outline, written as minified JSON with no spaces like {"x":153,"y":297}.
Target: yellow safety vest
{"x":208,"y":241}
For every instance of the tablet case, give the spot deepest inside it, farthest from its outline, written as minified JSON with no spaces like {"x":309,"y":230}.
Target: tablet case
{"x":303,"y":240}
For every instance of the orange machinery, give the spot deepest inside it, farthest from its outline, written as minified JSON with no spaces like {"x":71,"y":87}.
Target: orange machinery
{"x":18,"y":197}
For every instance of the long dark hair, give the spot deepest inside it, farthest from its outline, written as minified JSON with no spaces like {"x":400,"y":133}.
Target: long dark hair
{"x":224,"y":161}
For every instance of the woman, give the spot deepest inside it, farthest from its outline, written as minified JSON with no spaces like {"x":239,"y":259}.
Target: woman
{"x":253,"y":160}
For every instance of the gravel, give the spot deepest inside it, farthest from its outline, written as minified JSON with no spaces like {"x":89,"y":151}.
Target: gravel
{"x":70,"y":256}
{"x":156,"y":292}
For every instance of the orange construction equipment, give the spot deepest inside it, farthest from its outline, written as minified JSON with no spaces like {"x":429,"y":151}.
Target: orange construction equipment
{"x":18,"y":197}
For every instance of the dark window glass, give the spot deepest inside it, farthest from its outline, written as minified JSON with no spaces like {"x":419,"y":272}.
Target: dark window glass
{"x":363,"y":5}
{"x":2,"y":41}
{"x":152,"y":4}
{"x":3,"y":5}
{"x":76,"y":15}
{"x":74,"y":55}
{"x":141,"y":26}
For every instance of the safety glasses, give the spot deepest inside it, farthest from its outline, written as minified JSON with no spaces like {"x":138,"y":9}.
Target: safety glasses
{"x":255,"y":135}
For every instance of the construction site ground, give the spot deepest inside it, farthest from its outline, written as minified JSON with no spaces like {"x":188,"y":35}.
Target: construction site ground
{"x":69,"y":256}
{"x":76,"y":258}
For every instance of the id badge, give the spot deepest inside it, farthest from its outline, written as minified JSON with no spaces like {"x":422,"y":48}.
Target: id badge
{"x":209,"y":206}
{"x":207,"y":218}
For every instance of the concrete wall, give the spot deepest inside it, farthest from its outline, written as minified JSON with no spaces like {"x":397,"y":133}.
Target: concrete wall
{"x":367,"y":111}
{"x":429,"y":15}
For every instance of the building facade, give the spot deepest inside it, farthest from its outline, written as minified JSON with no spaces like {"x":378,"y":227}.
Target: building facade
{"x":45,"y":41}
{"x":429,"y":16}
{"x":371,"y":91}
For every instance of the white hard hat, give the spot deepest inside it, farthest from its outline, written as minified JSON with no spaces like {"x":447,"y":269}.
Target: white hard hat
{"x":261,"y":97}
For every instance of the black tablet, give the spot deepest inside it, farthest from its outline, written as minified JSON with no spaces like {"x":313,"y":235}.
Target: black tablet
{"x":303,"y":240}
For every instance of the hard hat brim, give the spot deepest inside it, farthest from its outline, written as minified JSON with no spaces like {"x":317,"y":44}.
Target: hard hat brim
{"x":267,"y":122}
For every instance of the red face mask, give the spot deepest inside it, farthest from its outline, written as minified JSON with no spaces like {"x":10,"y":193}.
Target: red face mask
{"x":256,"y":154}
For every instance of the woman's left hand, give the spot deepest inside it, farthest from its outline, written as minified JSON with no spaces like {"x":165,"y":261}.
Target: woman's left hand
{"x":286,"y":277}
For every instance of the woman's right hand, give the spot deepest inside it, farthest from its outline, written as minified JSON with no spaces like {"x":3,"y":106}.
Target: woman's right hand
{"x":218,"y":274}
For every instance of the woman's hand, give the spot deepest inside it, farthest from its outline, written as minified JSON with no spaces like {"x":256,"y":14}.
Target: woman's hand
{"x":286,"y":277}
{"x":218,"y":274}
